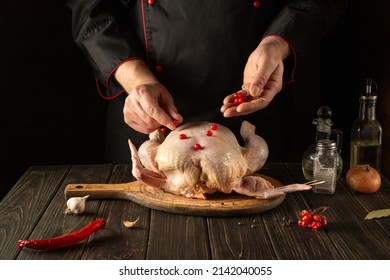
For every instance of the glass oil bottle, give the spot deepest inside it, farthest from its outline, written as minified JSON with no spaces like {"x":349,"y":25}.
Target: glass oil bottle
{"x":366,"y":132}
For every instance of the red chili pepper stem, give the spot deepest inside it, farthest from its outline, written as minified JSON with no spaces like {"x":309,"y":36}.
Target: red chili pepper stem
{"x":64,"y":240}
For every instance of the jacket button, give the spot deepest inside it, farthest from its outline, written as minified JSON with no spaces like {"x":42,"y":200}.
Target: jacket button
{"x":151,"y":2}
{"x":159,"y":68}
{"x":256,"y":3}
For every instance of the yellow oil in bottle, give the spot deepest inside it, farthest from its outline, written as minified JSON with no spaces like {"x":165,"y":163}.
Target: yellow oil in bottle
{"x":366,"y":152}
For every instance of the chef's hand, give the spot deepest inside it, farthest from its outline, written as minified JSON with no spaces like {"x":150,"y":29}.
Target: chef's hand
{"x":148,"y":105}
{"x":263,"y":77}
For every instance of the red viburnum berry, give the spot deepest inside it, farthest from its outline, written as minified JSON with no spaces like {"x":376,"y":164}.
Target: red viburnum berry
{"x":197,"y":147}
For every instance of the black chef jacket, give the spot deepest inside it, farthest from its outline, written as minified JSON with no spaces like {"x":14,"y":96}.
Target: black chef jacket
{"x":198,"y":50}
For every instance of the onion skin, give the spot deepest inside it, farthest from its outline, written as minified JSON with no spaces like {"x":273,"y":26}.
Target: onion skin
{"x":363,"y":178}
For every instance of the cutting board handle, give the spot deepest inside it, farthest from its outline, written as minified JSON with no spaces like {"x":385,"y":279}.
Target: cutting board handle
{"x":103,"y":191}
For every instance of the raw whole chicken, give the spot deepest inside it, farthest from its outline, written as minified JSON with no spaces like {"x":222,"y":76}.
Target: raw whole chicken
{"x":197,"y":159}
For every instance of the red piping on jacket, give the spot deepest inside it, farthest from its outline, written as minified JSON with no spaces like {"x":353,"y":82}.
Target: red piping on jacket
{"x":294,"y":54}
{"x":145,"y":34}
{"x":108,"y":78}
{"x":102,"y":95}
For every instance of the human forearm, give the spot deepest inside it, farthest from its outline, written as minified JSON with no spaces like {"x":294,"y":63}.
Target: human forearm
{"x":133,"y":73}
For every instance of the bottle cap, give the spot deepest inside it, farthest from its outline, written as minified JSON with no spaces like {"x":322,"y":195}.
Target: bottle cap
{"x":325,"y":144}
{"x":371,"y":88}
{"x":324,"y":115}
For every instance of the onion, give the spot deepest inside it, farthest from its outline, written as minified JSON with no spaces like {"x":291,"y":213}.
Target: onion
{"x":363,"y":178}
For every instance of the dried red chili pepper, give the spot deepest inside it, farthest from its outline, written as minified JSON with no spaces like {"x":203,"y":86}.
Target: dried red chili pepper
{"x":64,"y":240}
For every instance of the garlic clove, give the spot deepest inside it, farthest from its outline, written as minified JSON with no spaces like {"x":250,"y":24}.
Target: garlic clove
{"x":76,"y":205}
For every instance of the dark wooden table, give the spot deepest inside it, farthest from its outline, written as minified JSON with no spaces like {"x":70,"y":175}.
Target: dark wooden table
{"x":34,"y":208}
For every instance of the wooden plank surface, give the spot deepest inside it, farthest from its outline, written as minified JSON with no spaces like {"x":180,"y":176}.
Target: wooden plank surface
{"x":54,"y":222}
{"x":34,"y":209}
{"x":289,"y":240}
{"x":22,"y":208}
{"x":351,"y":234}
{"x":177,"y":237}
{"x":240,"y":238}
{"x":271,"y":235}
{"x":117,"y":241}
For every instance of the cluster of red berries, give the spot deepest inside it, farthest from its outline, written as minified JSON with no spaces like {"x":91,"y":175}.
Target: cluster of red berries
{"x":309,"y":219}
{"x":240,"y":97}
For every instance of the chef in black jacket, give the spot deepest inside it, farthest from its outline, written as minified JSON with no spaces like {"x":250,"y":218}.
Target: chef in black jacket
{"x":157,"y":61}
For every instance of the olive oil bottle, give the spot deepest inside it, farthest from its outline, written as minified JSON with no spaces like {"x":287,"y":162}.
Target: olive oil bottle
{"x":366,"y":132}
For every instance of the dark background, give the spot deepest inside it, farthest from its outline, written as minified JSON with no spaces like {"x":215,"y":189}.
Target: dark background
{"x":51,"y":113}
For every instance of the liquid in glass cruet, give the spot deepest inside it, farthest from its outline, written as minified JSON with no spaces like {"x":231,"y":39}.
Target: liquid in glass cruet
{"x":324,"y":131}
{"x":366,"y":132}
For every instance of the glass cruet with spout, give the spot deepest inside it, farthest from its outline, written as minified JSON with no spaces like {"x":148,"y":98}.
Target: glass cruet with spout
{"x":324,"y":131}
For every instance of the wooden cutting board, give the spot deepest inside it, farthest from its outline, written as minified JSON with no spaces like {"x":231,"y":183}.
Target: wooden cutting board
{"x":217,"y":205}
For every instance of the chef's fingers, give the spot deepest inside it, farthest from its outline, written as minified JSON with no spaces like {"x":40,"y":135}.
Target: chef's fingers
{"x":141,"y":124}
{"x":228,"y":99}
{"x":227,"y":106}
{"x":159,"y":105}
{"x":152,"y":109}
{"x":149,"y":102}
{"x":231,"y":112}
{"x":270,"y":90}
{"x":135,"y":116}
{"x":253,"y":106}
{"x":229,"y":109}
{"x":175,"y":116}
{"x":228,"y":102}
{"x":240,"y":110}
{"x":246,"y":108}
{"x":274,"y":83}
{"x":140,"y":127}
{"x":265,"y":69}
{"x":169,"y":107}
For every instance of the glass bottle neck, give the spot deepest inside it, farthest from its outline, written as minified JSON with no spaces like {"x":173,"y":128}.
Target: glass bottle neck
{"x":367,"y":109}
{"x":322,"y":132}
